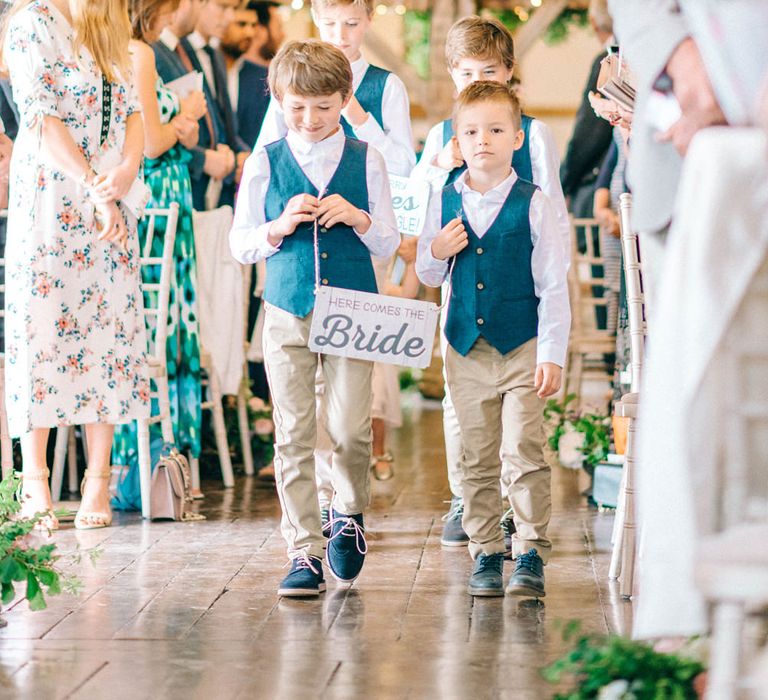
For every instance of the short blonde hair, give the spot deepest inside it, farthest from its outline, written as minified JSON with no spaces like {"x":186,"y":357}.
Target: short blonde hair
{"x":478,"y":37}
{"x":310,"y":68}
{"x":488,"y":91}
{"x":320,"y":5}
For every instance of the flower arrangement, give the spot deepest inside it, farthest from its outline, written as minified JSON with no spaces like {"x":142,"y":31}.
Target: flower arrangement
{"x":20,"y":561}
{"x":576,"y":437}
{"x":616,"y":668}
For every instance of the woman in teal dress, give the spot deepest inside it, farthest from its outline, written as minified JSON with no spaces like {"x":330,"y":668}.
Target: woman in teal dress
{"x":170,"y":128}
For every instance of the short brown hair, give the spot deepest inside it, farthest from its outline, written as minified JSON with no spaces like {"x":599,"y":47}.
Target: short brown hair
{"x":143,"y":14}
{"x":477,"y":37}
{"x":319,"y":5}
{"x":310,"y":68}
{"x":488,"y":91}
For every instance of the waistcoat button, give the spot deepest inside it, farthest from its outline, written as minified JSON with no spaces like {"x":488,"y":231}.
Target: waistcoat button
{"x":323,"y":255}
{"x":480,"y":322}
{"x":480,"y":285}
{"x":479,"y":251}
{"x":324,"y":281}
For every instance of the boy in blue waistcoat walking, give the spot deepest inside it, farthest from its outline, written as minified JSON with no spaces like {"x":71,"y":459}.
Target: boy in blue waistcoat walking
{"x":379,"y":111}
{"x":481,"y":48}
{"x":315,"y":176}
{"x":494,"y":236}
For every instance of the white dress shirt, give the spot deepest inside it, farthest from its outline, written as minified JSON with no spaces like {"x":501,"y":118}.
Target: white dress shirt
{"x":233,"y":82}
{"x":169,"y":38}
{"x":198,"y":43}
{"x":545,"y":165}
{"x":394,"y":141}
{"x":547,"y":264}
{"x":319,"y":161}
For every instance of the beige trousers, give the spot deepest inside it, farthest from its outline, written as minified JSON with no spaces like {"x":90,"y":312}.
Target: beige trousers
{"x":291,"y":370}
{"x":500,"y":418}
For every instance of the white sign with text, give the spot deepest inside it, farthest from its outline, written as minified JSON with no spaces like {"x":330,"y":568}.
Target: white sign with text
{"x":410,"y":199}
{"x":373,"y":327}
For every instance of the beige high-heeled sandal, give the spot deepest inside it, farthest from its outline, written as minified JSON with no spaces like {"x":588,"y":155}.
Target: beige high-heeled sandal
{"x":92,"y":519}
{"x":47,"y":522}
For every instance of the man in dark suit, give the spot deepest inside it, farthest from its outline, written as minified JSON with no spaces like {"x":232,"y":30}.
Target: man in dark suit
{"x":251,"y":41}
{"x":211,"y":158}
{"x":592,"y":135}
{"x":201,"y":46}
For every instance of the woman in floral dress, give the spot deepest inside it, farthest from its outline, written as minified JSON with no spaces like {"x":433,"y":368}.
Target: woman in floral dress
{"x":75,"y":339}
{"x":169,"y":124}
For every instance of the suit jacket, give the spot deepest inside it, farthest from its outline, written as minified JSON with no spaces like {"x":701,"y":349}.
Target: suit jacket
{"x":590,"y":140}
{"x":170,"y":67}
{"x":252,"y":101}
{"x":8,"y":111}
{"x":220,"y":108}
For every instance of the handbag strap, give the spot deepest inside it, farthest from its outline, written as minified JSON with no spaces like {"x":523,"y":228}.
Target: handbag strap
{"x":106,"y":108}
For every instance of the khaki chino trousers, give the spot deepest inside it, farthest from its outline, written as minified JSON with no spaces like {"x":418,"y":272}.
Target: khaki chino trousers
{"x":500,"y":418}
{"x":291,"y":371}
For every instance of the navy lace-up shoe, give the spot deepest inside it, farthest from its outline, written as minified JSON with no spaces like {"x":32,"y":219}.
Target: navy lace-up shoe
{"x":453,"y":532}
{"x":509,"y":529}
{"x":305,"y":579}
{"x":487,"y":578}
{"x":325,"y":521}
{"x":528,"y":577}
{"x":346,"y":546}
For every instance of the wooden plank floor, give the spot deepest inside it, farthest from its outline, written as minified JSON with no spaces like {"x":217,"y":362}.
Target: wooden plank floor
{"x":190,"y":611}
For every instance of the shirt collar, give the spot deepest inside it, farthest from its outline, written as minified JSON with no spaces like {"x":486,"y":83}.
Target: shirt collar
{"x":196,"y":40}
{"x":299,"y":145}
{"x":498,"y":193}
{"x":169,"y":38}
{"x":358,"y":68}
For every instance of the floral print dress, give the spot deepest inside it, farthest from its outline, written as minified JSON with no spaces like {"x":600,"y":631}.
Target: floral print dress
{"x":168,"y":178}
{"x":75,"y":337}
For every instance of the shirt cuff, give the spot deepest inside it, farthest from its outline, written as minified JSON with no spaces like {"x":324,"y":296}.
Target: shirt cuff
{"x":370,"y":218}
{"x":549,"y":351}
{"x":369,"y":130}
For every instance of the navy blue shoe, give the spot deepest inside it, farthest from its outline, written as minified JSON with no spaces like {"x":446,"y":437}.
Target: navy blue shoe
{"x":325,"y":521}
{"x":528,"y":577}
{"x":453,"y":531}
{"x":346,"y":546}
{"x":305,"y":579}
{"x":509,"y":529}
{"x":488,"y":576}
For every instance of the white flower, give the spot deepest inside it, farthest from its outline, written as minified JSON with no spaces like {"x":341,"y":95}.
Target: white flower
{"x":613,"y":691}
{"x":256,"y":404}
{"x":568,"y":448}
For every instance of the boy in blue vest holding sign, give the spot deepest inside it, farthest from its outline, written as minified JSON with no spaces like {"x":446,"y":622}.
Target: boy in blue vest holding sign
{"x":316,"y":205}
{"x":479,"y":48}
{"x":494,"y":236}
{"x":379,"y":111}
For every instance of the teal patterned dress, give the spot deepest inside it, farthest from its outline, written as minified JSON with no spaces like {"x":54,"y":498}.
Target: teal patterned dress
{"x":168,"y":178}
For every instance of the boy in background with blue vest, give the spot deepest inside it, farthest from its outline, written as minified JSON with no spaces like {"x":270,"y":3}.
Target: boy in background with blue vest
{"x":379,"y":111}
{"x":315,"y":176}
{"x":494,"y":236}
{"x":479,"y":48}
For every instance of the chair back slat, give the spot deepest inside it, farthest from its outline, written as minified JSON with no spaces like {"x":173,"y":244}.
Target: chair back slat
{"x":159,"y":292}
{"x":634,"y":283}
{"x":586,"y":280}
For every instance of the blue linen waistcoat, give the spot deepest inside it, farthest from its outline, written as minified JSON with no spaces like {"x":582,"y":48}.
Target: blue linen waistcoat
{"x":344,"y":259}
{"x":492,"y":289}
{"x":370,"y":95}
{"x":521,"y":158}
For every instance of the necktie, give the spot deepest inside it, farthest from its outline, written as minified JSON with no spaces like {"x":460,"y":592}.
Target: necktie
{"x":188,"y":65}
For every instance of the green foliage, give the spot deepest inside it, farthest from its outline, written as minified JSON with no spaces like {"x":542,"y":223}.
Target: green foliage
{"x":19,"y":561}
{"x":595,"y":427}
{"x":569,"y":17}
{"x":597,"y":661}
{"x":407,"y":381}
{"x":416,"y":27}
